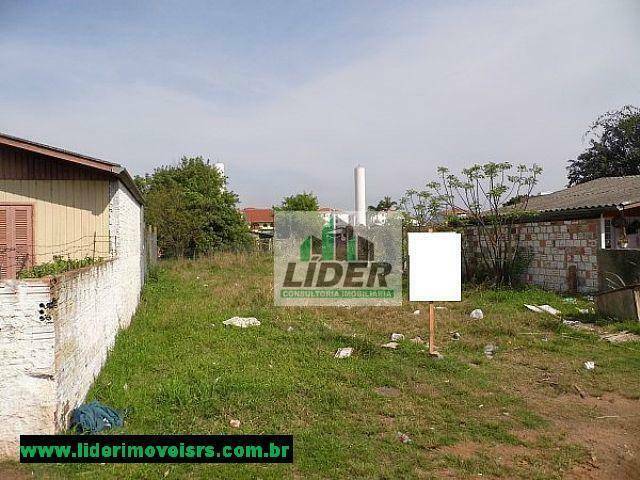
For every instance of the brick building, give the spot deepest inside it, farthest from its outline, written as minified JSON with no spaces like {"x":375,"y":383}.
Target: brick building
{"x":571,"y":229}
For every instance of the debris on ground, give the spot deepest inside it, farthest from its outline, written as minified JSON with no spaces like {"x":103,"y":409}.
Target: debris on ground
{"x":455,"y":335}
{"x":533,"y":308}
{"x":490,"y":350}
{"x":436,"y":355}
{"x":550,"y":309}
{"x":578,"y":325}
{"x":234,"y":423}
{"x":94,"y":417}
{"x":242,"y":322}
{"x":543,"y":309}
{"x":416,"y":312}
{"x":290,"y":329}
{"x":477,"y":314}
{"x":585,"y":311}
{"x":581,"y":392}
{"x":396,"y":337}
{"x":590,"y":365}
{"x":343,"y":352}
{"x":441,"y":307}
{"x":392,"y":345}
{"x":621,"y":337}
{"x":571,"y":300}
{"x":404,"y":438}
{"x":616,"y":337}
{"x":418,"y":340}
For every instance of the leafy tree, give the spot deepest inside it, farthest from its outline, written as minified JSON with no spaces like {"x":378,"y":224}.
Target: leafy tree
{"x":384,"y":205}
{"x":302,"y":202}
{"x":614,"y":148}
{"x":475,"y":199}
{"x":192,"y":209}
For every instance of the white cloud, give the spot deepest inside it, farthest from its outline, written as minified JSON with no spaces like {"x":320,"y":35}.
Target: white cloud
{"x":485,"y":82}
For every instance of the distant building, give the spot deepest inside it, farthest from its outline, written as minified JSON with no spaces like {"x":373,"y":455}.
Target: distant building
{"x":260,"y":220}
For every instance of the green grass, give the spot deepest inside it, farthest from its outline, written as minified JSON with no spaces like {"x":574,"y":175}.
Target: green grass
{"x":177,"y":369}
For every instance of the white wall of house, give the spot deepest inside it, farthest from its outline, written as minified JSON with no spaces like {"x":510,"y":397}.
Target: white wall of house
{"x":49,"y":360}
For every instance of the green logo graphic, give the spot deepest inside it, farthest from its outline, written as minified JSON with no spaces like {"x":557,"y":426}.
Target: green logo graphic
{"x":338,"y":245}
{"x":323,"y":259}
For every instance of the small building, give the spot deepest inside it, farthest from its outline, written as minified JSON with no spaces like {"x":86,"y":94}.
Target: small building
{"x":56,"y":204}
{"x":577,"y":235}
{"x":56,"y":330}
{"x":260,"y":220}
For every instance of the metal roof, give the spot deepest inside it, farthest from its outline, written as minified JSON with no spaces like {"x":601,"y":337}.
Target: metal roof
{"x":73,"y":157}
{"x":601,"y":194}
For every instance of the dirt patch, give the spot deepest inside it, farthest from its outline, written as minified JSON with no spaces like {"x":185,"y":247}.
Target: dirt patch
{"x":14,"y":472}
{"x":608,"y":427}
{"x":504,"y":455}
{"x":387,"y":391}
{"x":611,"y":435}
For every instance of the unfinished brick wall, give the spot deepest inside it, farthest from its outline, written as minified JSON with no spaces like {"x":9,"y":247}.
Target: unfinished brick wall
{"x":554,"y":247}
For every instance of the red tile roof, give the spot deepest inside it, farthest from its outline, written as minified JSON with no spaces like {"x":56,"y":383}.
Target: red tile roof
{"x":258,"y":215}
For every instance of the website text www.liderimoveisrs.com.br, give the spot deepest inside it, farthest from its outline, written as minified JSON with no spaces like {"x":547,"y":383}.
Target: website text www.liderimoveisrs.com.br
{"x":156,"y":448}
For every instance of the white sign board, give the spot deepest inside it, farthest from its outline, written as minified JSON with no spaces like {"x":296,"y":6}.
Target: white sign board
{"x":435,"y":270}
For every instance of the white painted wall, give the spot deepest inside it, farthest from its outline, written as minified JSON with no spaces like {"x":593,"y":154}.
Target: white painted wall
{"x":27,"y":386}
{"x":49,"y":364}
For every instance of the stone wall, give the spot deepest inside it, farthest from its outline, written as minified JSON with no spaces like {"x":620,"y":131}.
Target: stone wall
{"x":55,"y":333}
{"x":554,"y":248}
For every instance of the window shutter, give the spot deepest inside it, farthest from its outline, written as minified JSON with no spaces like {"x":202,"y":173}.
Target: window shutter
{"x":23,"y":239}
{"x":16,"y":239}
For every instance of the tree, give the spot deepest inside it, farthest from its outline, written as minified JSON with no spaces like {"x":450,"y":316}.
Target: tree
{"x":421,"y":208}
{"x":302,"y":202}
{"x":614,"y":148}
{"x":192,"y":209}
{"x":476,"y":198}
{"x":384,"y":205}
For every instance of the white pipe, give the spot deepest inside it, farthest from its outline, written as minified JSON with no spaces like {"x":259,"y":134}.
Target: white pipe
{"x":361,"y":204}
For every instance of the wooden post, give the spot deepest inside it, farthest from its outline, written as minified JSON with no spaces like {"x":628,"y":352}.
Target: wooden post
{"x":432,"y":324}
{"x":432,"y":329}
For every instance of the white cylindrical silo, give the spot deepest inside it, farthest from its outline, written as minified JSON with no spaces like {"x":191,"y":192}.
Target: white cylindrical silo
{"x":361,"y":202}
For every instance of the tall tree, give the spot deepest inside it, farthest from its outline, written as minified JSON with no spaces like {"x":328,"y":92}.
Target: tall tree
{"x":302,"y":202}
{"x":614,"y":148}
{"x":192,"y":209}
{"x":384,"y":205}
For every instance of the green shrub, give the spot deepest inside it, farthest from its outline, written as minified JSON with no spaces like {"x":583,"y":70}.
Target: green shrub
{"x":57,"y":266}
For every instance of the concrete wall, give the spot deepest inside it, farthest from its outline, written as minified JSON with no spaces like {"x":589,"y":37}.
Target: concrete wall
{"x":27,"y":386}
{"x":55,"y":334}
{"x":554,"y":247}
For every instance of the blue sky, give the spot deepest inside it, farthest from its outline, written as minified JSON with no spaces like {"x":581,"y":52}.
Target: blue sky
{"x":292,"y":95}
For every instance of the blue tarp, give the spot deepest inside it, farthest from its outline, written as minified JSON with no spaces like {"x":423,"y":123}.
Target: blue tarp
{"x":94,"y":417}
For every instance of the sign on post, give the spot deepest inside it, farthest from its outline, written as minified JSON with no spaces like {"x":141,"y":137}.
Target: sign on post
{"x":435,"y":267}
{"x":435,"y":272}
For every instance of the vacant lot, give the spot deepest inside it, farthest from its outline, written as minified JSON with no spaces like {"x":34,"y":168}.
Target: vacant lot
{"x":531,"y":411}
